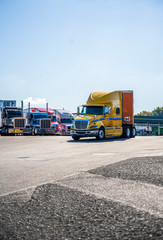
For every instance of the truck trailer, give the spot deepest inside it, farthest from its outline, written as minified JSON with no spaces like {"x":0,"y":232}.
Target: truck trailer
{"x":105,"y":114}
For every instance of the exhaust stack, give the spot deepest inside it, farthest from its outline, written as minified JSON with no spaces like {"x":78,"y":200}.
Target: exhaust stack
{"x":47,"y":108}
{"x":22,"y":107}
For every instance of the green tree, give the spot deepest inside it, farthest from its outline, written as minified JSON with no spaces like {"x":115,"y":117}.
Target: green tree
{"x":157,"y":111}
{"x":144,"y":113}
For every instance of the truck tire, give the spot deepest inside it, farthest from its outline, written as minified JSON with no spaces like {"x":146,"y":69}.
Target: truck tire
{"x":6,"y":132}
{"x":76,"y":138}
{"x":33,"y":132}
{"x":101,"y":134}
{"x":133,"y":132}
{"x":126,"y":132}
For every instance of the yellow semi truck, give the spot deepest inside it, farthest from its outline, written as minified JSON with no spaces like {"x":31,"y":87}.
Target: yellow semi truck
{"x":105,"y":114}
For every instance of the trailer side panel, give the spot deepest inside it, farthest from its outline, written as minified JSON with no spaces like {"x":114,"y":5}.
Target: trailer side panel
{"x":127,"y":107}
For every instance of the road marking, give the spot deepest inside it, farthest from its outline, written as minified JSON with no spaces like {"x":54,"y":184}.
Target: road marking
{"x":34,"y":159}
{"x":103,"y":154}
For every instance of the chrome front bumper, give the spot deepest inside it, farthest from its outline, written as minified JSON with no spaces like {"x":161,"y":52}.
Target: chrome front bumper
{"x":84,"y":133}
{"x":39,"y":131}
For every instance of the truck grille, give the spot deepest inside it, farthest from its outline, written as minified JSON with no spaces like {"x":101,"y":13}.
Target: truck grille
{"x":81,"y":124}
{"x":45,"y":123}
{"x":19,"y":122}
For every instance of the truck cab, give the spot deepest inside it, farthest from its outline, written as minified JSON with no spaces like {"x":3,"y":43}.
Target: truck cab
{"x":65,"y":120}
{"x":65,"y":125}
{"x":11,"y":120}
{"x":51,"y":115}
{"x":38,"y":124}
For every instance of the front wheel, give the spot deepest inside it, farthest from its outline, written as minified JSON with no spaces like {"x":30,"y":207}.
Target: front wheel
{"x":33,"y":132}
{"x":101,"y":134}
{"x":76,"y":137}
{"x":6,"y":132}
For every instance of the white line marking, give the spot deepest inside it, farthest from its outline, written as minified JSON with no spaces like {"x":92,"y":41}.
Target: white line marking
{"x":103,"y":154}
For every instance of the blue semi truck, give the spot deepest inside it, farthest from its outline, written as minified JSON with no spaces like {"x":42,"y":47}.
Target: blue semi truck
{"x":39,"y":124}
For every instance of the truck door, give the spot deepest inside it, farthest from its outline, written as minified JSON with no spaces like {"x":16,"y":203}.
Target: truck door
{"x":108,"y":122}
{"x":118,"y":122}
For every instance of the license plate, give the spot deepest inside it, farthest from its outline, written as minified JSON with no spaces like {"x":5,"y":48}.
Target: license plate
{"x":12,"y":130}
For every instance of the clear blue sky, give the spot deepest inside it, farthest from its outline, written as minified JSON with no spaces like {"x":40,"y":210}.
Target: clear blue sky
{"x":62,"y":50}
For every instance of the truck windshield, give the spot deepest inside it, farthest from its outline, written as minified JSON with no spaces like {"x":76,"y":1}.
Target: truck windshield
{"x":38,"y":116}
{"x":53,"y":118}
{"x":12,"y":114}
{"x":95,"y":110}
{"x":66,"y":120}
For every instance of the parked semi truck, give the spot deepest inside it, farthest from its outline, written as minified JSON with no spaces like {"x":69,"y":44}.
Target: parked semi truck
{"x":38,"y":124}
{"x":51,"y":115}
{"x":11,"y":118}
{"x":105,"y":114}
{"x":65,"y":120}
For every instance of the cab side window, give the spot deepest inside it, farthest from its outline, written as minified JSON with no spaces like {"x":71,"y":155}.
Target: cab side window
{"x":117,"y":111}
{"x":106,"y":110}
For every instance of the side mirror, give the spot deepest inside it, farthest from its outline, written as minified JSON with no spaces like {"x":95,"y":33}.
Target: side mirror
{"x":78,"y":110}
{"x":29,"y":116}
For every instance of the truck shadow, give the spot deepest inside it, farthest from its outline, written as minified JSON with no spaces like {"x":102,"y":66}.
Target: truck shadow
{"x":93,"y":140}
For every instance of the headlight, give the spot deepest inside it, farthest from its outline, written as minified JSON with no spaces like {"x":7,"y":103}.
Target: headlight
{"x":95,"y":131}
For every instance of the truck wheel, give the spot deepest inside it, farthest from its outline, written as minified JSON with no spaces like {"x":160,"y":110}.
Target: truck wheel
{"x":76,"y":137}
{"x":133,"y":132}
{"x":3,"y":132}
{"x":127,"y":132}
{"x":6,"y":132}
{"x":33,"y":132}
{"x":101,"y":134}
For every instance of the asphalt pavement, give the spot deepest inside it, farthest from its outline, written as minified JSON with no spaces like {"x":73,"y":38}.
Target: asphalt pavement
{"x":77,"y":208}
{"x":119,"y":198}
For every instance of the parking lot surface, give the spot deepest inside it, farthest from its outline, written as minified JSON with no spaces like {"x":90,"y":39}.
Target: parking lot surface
{"x":56,"y":188}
